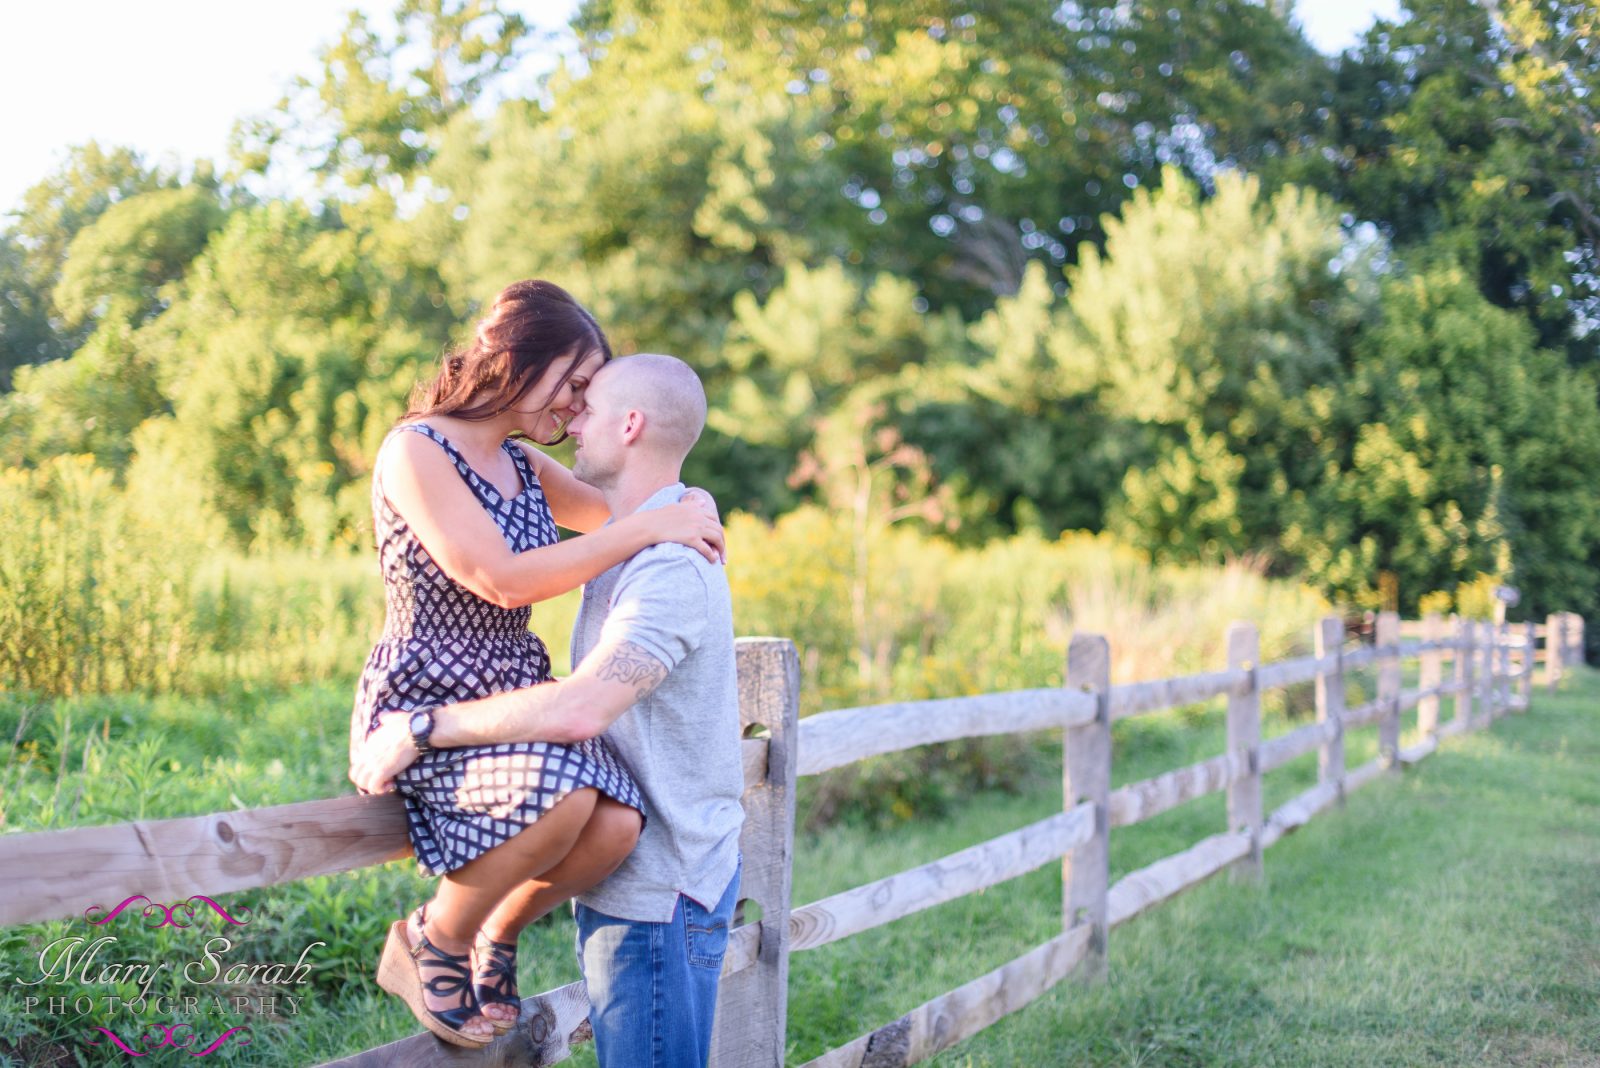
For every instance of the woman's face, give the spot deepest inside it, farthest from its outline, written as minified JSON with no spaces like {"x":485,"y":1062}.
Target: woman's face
{"x":546,"y":423}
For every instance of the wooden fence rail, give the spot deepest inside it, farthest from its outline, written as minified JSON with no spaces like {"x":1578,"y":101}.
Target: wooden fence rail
{"x":44,"y":875}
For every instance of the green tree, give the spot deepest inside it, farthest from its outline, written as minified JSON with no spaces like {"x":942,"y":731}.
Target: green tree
{"x":116,"y":267}
{"x":25,"y":332}
{"x":1456,"y":447}
{"x":1206,"y":323}
{"x":33,"y":248}
{"x":284,"y":367}
{"x":1470,"y":141}
{"x":376,"y":113}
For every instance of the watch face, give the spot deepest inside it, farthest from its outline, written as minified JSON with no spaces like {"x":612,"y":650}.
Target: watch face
{"x":421,"y":726}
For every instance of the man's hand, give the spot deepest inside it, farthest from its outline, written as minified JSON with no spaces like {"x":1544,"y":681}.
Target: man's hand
{"x":387,"y":752}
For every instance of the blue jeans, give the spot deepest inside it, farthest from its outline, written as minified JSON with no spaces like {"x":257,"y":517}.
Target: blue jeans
{"x":653,"y":986}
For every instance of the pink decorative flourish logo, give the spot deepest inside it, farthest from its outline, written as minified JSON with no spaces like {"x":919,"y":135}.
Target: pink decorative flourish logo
{"x":152,"y":908}
{"x":168,"y":1038}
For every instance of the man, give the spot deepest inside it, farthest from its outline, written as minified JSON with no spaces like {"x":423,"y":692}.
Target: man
{"x":654,"y":670}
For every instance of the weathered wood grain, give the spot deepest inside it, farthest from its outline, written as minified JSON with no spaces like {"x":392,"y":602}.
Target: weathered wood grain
{"x":1388,"y":642}
{"x":1430,"y":673}
{"x":48,"y":875}
{"x":948,"y":1019}
{"x":1138,"y":801}
{"x":1361,"y":715}
{"x":1530,"y":651}
{"x":1131,"y":699}
{"x":1151,"y":885}
{"x":1356,"y":658}
{"x":1328,"y":641}
{"x":1086,"y":779}
{"x":1554,"y":648}
{"x":1298,"y":811}
{"x":976,"y":868}
{"x":1484,"y":700}
{"x":1507,"y":677}
{"x":1416,"y":698}
{"x":752,"y":1004}
{"x":550,"y":1025}
{"x":1242,"y":768}
{"x":753,"y":754}
{"x":744,"y":949}
{"x":1465,"y":665}
{"x":1289,"y":672}
{"x":1276,"y":752}
{"x":833,"y":739}
{"x":51,"y":875}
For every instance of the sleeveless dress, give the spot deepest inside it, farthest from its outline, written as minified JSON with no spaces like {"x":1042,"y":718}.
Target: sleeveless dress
{"x":441,"y":644}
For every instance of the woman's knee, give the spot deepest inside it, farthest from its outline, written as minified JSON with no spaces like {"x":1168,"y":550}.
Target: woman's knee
{"x":616,"y":828}
{"x":568,"y":817}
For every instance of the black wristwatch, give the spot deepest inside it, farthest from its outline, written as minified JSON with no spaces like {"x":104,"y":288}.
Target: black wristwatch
{"x":421,"y":729}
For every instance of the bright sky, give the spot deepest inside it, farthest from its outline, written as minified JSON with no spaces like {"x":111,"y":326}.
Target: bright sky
{"x":170,"y":77}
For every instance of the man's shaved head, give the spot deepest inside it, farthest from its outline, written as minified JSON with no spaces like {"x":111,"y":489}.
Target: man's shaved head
{"x":668,"y":393}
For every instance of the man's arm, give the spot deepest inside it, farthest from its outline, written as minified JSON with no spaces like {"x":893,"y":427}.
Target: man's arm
{"x":614,"y":677}
{"x":657,"y":613}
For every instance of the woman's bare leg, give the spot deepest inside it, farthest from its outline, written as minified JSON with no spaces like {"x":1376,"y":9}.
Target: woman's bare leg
{"x":605,"y":843}
{"x":467,"y":896}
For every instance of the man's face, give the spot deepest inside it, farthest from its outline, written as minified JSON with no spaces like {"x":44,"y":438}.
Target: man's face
{"x":597,"y":429}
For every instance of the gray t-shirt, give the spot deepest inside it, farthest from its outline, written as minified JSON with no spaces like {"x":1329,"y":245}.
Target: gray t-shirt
{"x":682,"y":741}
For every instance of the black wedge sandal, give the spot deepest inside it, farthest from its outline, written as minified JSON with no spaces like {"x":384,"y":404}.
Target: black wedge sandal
{"x":494,"y":978}
{"x":400,"y":973}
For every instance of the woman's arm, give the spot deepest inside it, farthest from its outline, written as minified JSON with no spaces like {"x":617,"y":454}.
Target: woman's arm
{"x":573,"y":504}
{"x":422,"y":484}
{"x":579,"y":506}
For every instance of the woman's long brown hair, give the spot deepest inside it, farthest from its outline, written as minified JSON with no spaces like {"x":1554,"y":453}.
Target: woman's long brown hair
{"x":530,"y":326}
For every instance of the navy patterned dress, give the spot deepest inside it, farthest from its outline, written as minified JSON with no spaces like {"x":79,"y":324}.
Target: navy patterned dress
{"x":441,"y":644}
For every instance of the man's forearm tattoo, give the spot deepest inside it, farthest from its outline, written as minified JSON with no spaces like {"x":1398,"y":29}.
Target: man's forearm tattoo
{"x":632,"y":665}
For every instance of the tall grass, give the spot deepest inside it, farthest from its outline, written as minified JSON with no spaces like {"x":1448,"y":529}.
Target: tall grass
{"x":108,"y":589}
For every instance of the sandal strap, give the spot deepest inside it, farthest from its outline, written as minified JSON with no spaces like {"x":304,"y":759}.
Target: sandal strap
{"x":496,"y":972}
{"x":456,"y":980}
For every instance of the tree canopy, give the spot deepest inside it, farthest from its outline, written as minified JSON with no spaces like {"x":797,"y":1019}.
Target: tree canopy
{"x":1158,"y":269}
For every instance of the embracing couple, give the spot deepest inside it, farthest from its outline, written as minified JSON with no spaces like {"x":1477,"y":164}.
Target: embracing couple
{"x":617,"y":786}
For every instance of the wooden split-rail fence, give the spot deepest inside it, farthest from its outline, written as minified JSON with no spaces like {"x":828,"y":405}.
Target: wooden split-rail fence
{"x":46,"y":875}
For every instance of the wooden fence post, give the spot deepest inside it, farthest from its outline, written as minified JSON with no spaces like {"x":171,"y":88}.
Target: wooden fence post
{"x":1502,"y":637}
{"x":1530,"y":646}
{"x":1244,"y":745}
{"x":1554,"y":646}
{"x":1491,"y":670}
{"x":752,"y":1004}
{"x":1485,"y":668}
{"x":1465,"y":652}
{"x":1574,"y":654}
{"x":1086,"y":776}
{"x":1430,"y":674}
{"x":1328,"y":641}
{"x":1387,"y":641}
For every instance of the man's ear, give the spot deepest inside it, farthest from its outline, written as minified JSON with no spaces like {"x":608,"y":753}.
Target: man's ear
{"x":632,"y":426}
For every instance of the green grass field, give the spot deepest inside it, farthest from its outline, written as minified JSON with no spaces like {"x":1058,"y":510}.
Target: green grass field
{"x":1447,"y":917}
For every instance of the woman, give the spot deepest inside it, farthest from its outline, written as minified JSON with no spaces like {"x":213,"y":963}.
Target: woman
{"x":466,"y":520}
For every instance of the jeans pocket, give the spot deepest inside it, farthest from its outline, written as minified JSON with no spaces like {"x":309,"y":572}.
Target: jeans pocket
{"x":706,"y":934}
